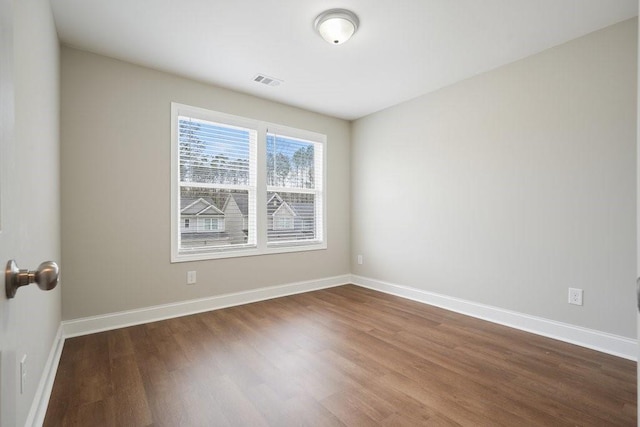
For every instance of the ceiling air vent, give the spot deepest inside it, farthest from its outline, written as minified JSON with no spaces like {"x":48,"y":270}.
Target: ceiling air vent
{"x":266,"y":80}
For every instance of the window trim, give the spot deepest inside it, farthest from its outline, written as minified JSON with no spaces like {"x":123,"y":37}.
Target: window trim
{"x":262,"y":247}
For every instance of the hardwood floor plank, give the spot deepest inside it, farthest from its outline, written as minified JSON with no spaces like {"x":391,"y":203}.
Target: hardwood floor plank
{"x":347,"y":410}
{"x":270,"y":404}
{"x":130,"y":400}
{"x":307,"y":411}
{"x":237,"y":408}
{"x":340,"y":356}
{"x":100,"y":413}
{"x":119,"y":343}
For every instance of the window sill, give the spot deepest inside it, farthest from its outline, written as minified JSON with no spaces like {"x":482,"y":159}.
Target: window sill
{"x":247,"y":252}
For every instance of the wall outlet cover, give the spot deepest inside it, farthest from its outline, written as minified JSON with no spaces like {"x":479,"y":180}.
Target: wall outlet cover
{"x":575,"y":296}
{"x":191,"y":277}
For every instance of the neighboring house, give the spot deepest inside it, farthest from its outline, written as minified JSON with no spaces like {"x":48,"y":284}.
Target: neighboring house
{"x":290,"y":220}
{"x":200,"y":215}
{"x":236,"y":213}
{"x":202,"y":223}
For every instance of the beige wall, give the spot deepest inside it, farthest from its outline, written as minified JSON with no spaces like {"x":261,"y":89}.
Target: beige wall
{"x":29,"y":195}
{"x":115,"y":161}
{"x":511,"y":186}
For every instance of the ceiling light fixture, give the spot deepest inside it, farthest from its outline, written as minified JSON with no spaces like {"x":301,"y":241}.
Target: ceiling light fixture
{"x":337,"y":26}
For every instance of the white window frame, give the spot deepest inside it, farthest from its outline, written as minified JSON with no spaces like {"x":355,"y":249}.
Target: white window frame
{"x":258,"y":203}
{"x":318,"y":191}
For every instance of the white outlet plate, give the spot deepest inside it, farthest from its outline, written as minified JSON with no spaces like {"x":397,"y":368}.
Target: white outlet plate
{"x":360,"y":259}
{"x":575,"y":296}
{"x":191,"y":277}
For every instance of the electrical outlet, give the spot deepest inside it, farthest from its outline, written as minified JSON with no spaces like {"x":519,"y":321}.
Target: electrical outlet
{"x":360,"y":260}
{"x":191,"y":277}
{"x":23,"y":374}
{"x":575,"y":296}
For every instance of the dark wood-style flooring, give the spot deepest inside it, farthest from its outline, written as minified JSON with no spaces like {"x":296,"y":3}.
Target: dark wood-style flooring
{"x":341,"y":356}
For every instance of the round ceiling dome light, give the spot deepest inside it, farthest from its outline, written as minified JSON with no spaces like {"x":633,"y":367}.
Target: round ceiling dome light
{"x":337,"y":26}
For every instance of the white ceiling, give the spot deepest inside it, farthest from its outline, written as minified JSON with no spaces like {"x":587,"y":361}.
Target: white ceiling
{"x":403,"y":48}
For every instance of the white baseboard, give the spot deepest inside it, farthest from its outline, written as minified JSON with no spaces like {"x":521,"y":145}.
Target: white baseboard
{"x":596,"y":340}
{"x":89,"y":325}
{"x":40,"y":402}
{"x":593,"y":339}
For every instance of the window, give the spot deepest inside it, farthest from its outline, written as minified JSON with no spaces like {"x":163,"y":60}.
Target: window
{"x":294,"y":188}
{"x":243,"y":187}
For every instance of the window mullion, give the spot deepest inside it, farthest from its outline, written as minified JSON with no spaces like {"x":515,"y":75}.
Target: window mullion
{"x":261,"y":188}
